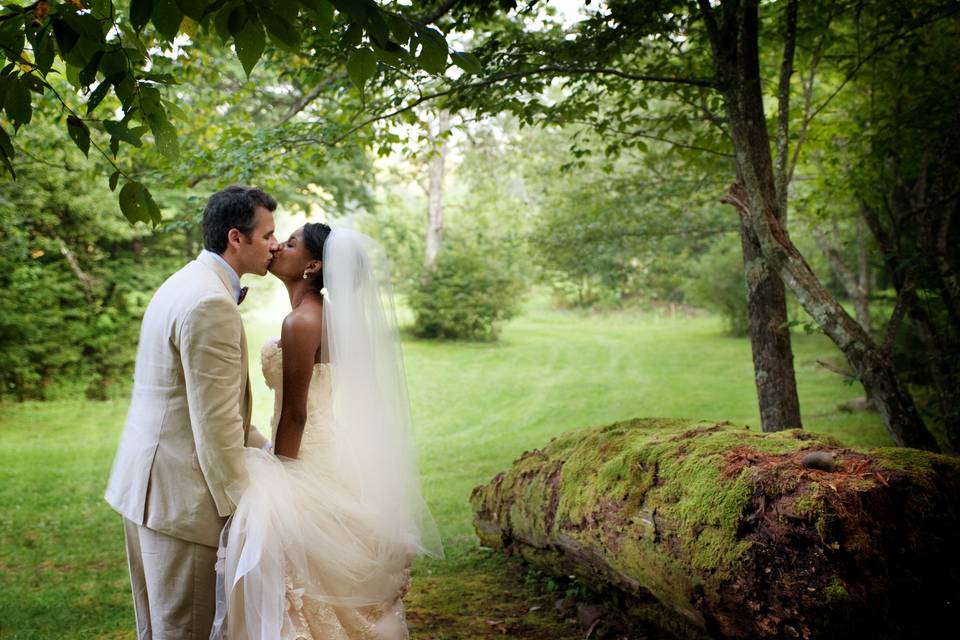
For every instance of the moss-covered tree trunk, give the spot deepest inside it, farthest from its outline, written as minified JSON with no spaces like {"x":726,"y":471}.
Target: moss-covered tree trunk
{"x":713,"y":530}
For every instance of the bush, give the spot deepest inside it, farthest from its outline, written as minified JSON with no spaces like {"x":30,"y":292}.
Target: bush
{"x":74,"y":281}
{"x":718,"y":285}
{"x":466,"y":295}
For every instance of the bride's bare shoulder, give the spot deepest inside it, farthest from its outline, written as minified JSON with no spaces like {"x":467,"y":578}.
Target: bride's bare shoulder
{"x":302,"y":328}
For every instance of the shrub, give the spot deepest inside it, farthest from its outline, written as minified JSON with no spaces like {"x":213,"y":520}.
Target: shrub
{"x":718,"y":285}
{"x":466,"y":295}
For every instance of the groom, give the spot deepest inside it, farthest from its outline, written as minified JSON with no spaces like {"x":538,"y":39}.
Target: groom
{"x":180,"y":466}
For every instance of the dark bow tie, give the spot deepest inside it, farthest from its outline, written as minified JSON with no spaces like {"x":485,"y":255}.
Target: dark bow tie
{"x":243,"y":294}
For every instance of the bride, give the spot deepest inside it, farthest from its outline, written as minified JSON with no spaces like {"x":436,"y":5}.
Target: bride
{"x":321,"y":542}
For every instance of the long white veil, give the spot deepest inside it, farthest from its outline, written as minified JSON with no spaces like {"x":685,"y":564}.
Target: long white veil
{"x":344,"y":530}
{"x":371,"y":411}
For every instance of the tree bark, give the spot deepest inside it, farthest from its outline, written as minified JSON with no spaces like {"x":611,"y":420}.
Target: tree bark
{"x":773,"y":370}
{"x":434,"y":232}
{"x":735,"y":48}
{"x":941,"y":364}
{"x":738,"y":534}
{"x":766,"y":298}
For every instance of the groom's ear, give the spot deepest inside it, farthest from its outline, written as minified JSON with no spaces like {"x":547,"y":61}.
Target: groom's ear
{"x":233,"y":237}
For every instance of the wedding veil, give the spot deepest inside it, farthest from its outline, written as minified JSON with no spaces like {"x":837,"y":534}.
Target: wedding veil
{"x":372,"y":432}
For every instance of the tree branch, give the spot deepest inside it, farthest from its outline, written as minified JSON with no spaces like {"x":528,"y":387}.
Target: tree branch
{"x":86,"y":281}
{"x":808,"y":99}
{"x":783,"y":104}
{"x":512,"y":75}
{"x":314,"y":93}
{"x":930,"y":19}
{"x":438,"y":13}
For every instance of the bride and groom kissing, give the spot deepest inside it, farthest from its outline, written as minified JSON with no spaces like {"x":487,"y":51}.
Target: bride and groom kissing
{"x":229,"y":536}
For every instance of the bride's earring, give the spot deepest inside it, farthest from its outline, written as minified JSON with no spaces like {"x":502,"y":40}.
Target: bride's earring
{"x":305,"y":276}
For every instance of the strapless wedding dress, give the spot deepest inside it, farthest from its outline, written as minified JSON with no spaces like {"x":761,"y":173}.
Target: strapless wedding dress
{"x":302,"y":549}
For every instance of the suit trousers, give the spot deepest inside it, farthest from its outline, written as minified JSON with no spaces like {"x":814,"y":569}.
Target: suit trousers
{"x":174,"y":584}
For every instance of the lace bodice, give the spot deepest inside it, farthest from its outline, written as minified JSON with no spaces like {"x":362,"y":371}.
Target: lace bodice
{"x":315,"y":434}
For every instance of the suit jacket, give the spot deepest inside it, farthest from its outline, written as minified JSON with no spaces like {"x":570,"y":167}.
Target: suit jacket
{"x":180,"y":467}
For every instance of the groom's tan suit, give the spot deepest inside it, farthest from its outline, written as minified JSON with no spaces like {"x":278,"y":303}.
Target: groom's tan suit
{"x":180,"y":466}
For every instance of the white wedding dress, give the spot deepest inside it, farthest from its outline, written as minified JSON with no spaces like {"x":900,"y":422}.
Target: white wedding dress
{"x":298,"y":497}
{"x":319,"y":548}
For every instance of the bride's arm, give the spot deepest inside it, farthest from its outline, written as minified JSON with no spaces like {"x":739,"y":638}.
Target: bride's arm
{"x":299,"y":339}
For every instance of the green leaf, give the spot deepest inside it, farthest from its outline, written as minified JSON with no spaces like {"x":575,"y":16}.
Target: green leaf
{"x":133,"y":202}
{"x":89,"y":73}
{"x":433,"y":50}
{"x":466,"y":61}
{"x":12,"y":39}
{"x":282,"y":32}
{"x":97,"y":96}
{"x":352,"y":36}
{"x":249,"y":44}
{"x":221,"y":22}
{"x":162,"y":78}
{"x":119,"y":131}
{"x":322,"y":13}
{"x":356,"y":10}
{"x":140,"y":12}
{"x":114,"y":177}
{"x":73,"y":74}
{"x":377,"y":26}
{"x":178,"y":113}
{"x":393,"y":54}
{"x":113,"y":65}
{"x":80,"y":134}
{"x":238,"y":19}
{"x":101,"y":8}
{"x":167,"y":142}
{"x":43,"y":51}
{"x":6,"y":145}
{"x":6,"y":151}
{"x":193,"y":8}
{"x":285,"y":9}
{"x":66,"y":37}
{"x":131,"y":39}
{"x":18,"y":104}
{"x":152,"y":208}
{"x":126,"y":89}
{"x":361,"y":66}
{"x":399,"y":27}
{"x":167,"y":18}
{"x":35,"y":84}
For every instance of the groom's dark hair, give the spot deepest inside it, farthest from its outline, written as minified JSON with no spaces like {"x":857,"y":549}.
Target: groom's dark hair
{"x":234,"y":207}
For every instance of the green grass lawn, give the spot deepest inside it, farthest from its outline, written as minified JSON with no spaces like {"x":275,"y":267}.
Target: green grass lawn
{"x":475,"y":408}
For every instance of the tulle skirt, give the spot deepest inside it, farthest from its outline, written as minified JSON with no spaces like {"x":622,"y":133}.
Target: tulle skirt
{"x":301,"y":535}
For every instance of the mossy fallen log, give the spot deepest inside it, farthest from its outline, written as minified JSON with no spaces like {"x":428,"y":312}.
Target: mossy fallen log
{"x":718,"y":531}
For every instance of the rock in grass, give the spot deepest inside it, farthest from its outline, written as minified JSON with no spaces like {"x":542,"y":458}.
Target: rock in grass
{"x":715,"y":531}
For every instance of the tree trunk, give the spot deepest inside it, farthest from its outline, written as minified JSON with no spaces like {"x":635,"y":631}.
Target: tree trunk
{"x":774,"y":375}
{"x":940,"y":364}
{"x":434,"y":234}
{"x":735,"y":46}
{"x":864,"y":288}
{"x":766,"y":298}
{"x":738,"y":534}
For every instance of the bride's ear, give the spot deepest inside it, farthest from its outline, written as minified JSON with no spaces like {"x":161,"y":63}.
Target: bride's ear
{"x":313,"y":268}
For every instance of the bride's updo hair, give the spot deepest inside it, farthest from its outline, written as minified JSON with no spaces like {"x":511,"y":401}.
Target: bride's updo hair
{"x":314,"y":236}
